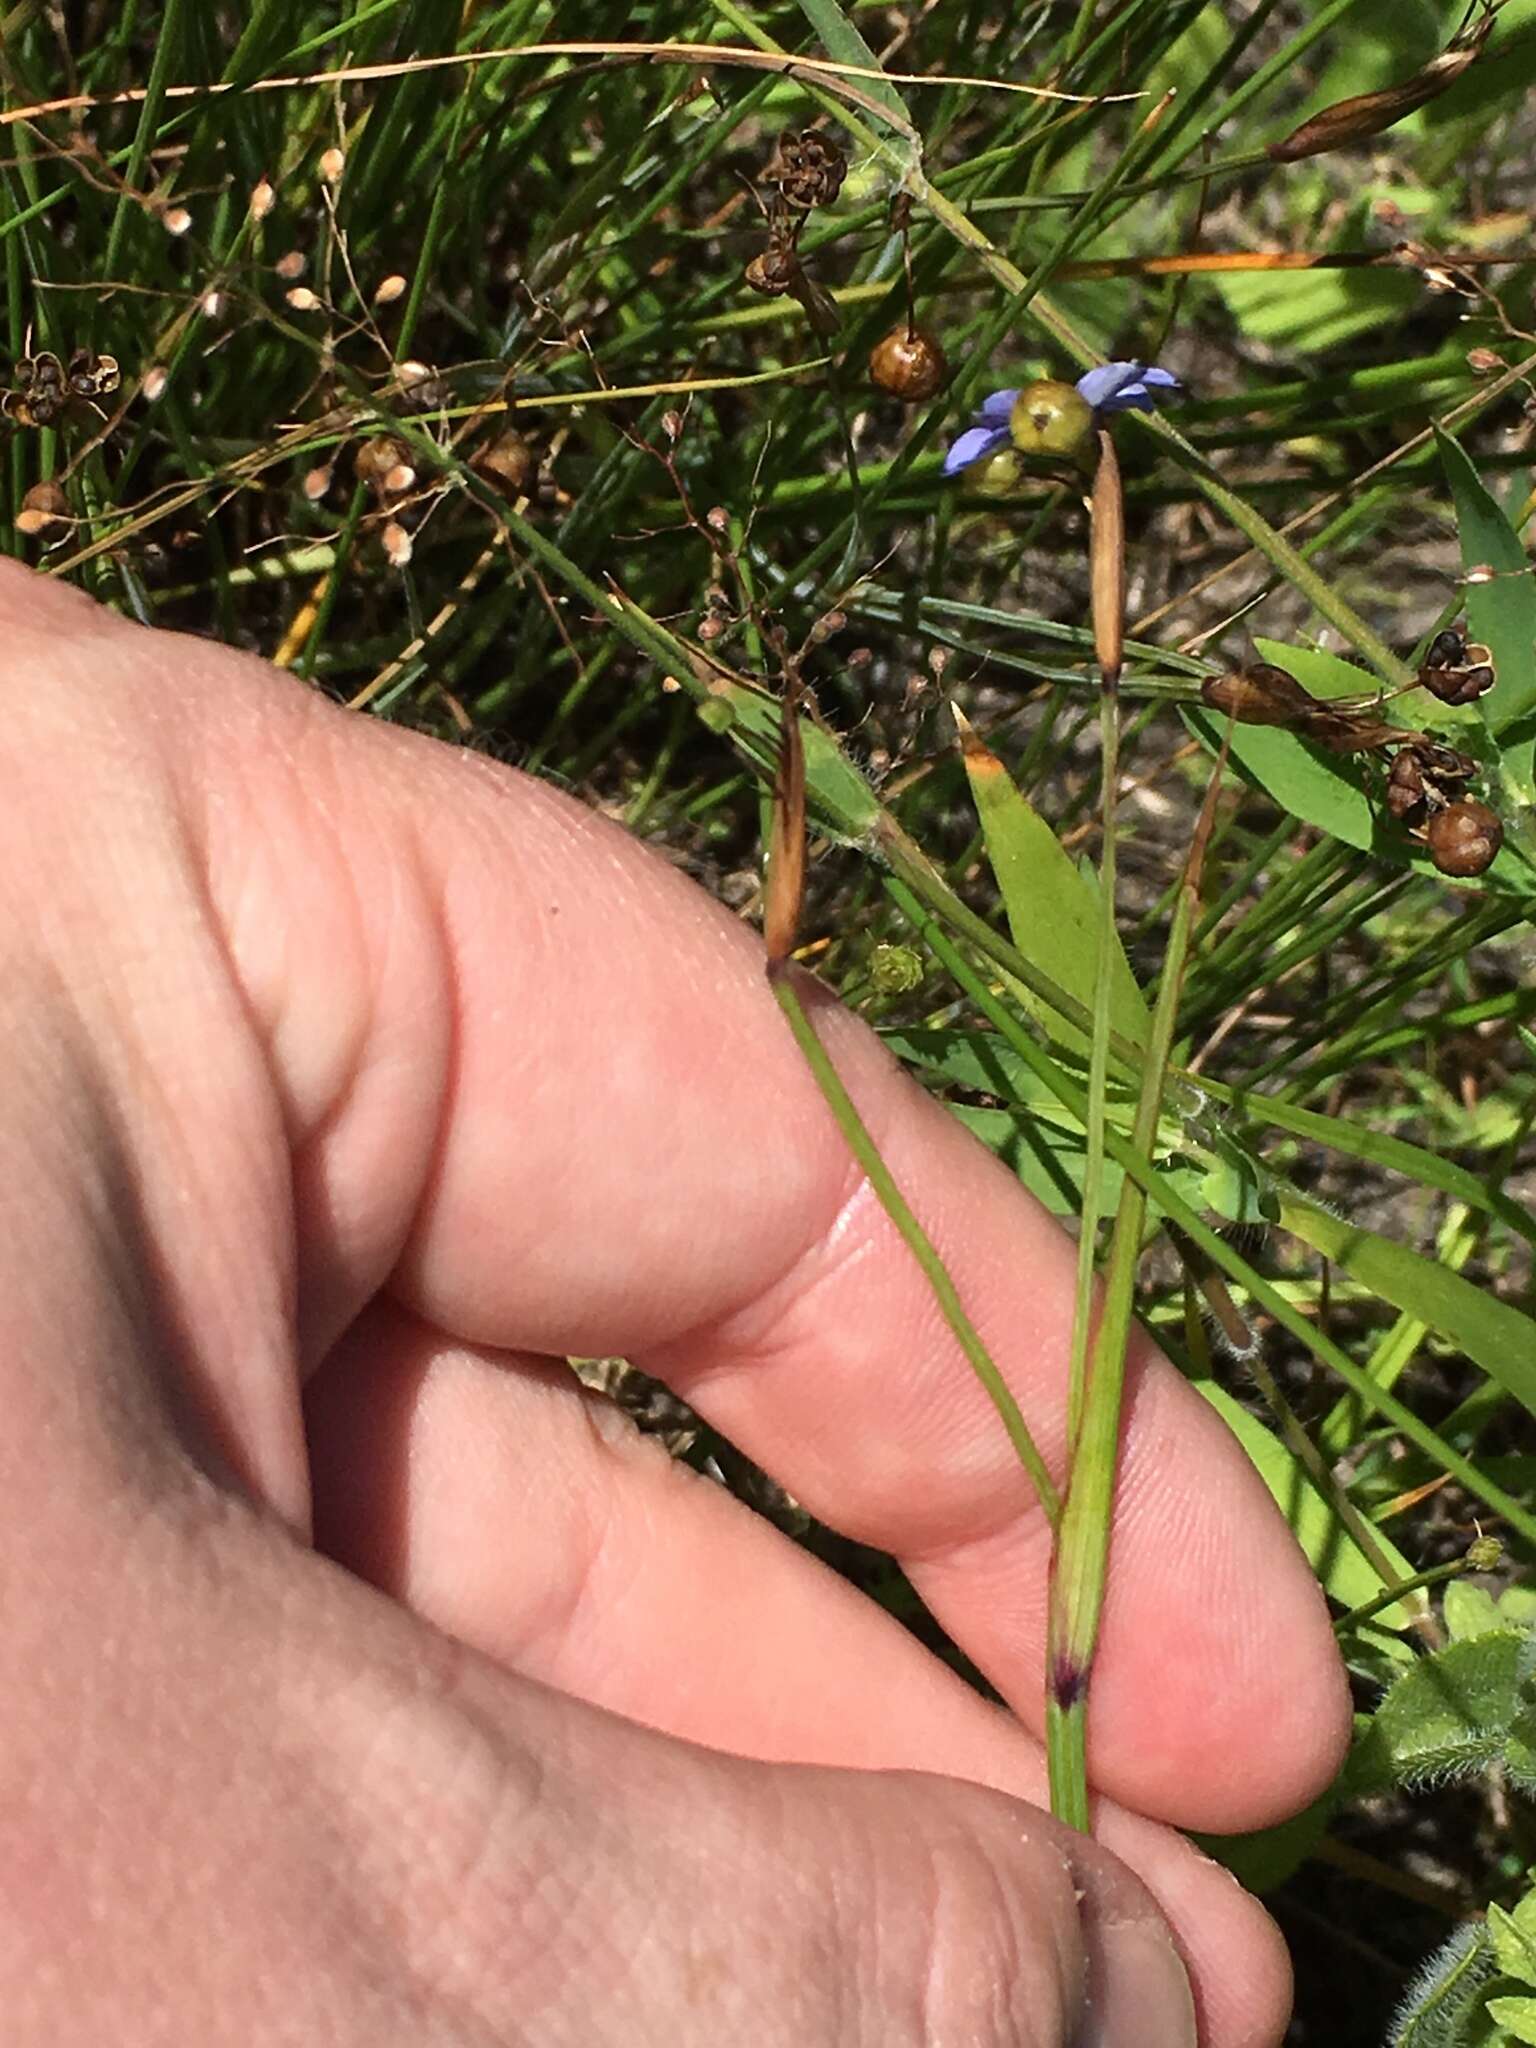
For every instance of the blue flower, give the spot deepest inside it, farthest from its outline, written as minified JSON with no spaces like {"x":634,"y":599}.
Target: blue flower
{"x":1057,"y":420}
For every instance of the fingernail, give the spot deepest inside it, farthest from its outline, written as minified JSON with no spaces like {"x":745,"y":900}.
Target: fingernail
{"x":1138,"y":1994}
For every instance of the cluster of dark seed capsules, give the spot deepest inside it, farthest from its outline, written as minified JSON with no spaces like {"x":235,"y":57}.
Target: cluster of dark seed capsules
{"x":1426,"y":785}
{"x":1426,"y":781}
{"x":805,"y":171}
{"x":43,"y":388}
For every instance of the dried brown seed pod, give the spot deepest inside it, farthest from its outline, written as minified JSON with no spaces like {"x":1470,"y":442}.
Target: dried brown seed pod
{"x":1259,"y":695}
{"x":44,"y":510}
{"x":806,"y":168}
{"x":773,"y":270}
{"x":1426,"y":776}
{"x":908,"y":363}
{"x":421,"y":388}
{"x":508,"y":464}
{"x":1457,"y":670}
{"x":91,"y":375}
{"x":1406,"y":793}
{"x":40,"y":392}
{"x":1464,"y":838}
{"x":1369,"y":113}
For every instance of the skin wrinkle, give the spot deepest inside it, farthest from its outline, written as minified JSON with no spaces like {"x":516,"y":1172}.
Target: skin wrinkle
{"x":963,"y":1433}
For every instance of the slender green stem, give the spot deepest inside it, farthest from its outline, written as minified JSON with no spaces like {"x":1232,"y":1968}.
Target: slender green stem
{"x":921,"y":1246}
{"x":167,"y":50}
{"x":1419,"y":1583}
{"x":1081,"y":1562}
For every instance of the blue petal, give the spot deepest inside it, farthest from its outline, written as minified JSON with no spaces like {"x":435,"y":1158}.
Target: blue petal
{"x":1118,"y":387}
{"x":972,"y":445}
{"x":1112,"y":385}
{"x":995,"y":410}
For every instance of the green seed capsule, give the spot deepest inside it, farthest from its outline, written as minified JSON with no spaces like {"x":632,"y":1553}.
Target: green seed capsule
{"x":1053,"y":421}
{"x":1000,"y":476}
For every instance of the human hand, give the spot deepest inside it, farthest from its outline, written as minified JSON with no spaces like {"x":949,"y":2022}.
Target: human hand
{"x":342,"y":1062}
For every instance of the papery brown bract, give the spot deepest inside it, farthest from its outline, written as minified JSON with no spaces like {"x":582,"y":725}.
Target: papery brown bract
{"x":1368,"y":113}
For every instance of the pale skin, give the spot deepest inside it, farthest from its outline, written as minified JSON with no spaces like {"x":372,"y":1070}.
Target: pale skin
{"x":363,"y":1681}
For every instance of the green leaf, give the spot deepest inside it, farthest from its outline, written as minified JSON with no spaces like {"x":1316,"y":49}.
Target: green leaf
{"x":1343,"y":1571}
{"x":1470,"y":1611}
{"x":1309,"y":311}
{"x":1501,"y":613}
{"x":1514,"y":1939}
{"x":1427,"y":1168}
{"x":843,"y":43}
{"x":1493,"y":1334}
{"x":979,"y":1060}
{"x":1049,"y":1160}
{"x":839,"y":796}
{"x":1052,"y":906}
{"x":1445,"y":2001}
{"x":1448,"y":1717}
{"x":1517,"y":2016}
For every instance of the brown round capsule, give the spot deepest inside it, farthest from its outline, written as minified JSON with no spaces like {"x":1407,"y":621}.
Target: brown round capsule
{"x":1464,"y":837}
{"x":44,"y":510}
{"x":773,"y":270}
{"x":384,"y":464}
{"x":909,"y":364}
{"x":508,"y":464}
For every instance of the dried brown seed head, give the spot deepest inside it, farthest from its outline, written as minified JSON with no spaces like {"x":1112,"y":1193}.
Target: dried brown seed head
{"x":1456,"y":670}
{"x":807,"y":169}
{"x":91,"y":375}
